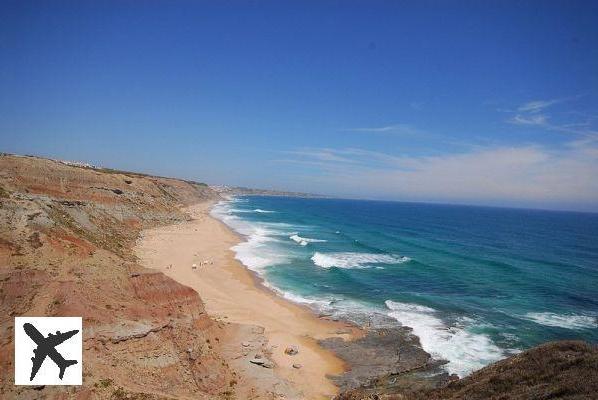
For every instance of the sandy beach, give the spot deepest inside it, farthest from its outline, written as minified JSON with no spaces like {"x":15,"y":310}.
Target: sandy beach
{"x":233,"y":294}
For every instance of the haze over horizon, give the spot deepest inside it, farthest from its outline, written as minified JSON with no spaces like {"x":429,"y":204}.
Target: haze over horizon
{"x":488,"y":104}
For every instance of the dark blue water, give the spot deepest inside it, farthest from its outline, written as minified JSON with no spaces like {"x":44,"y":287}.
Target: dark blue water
{"x":475,"y":283}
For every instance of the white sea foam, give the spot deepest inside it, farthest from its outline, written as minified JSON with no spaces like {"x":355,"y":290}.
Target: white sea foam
{"x":355,"y":260}
{"x":342,"y":308}
{"x":320,"y":305}
{"x":303,"y":241}
{"x":466,"y":351}
{"x":255,"y":210}
{"x":257,"y":251}
{"x":568,"y":321}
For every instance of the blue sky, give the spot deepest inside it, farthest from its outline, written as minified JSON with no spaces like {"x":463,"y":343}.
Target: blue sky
{"x":491,"y":102}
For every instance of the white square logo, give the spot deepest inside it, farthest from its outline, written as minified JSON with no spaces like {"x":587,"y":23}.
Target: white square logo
{"x":48,"y":350}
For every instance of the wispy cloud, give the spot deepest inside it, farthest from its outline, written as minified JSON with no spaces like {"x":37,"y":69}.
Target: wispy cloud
{"x":542,"y":121}
{"x":338,"y":157}
{"x":395,"y":128}
{"x":524,"y":174}
{"x":535,"y":113}
{"x":534,"y":119}
{"x":537,"y":105}
{"x":530,"y":175}
{"x":324,"y":155}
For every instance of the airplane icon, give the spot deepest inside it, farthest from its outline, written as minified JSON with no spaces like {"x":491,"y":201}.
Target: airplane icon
{"x":46,"y":347}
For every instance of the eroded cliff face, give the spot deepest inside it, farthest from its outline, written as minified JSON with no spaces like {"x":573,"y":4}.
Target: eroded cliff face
{"x":66,"y":235}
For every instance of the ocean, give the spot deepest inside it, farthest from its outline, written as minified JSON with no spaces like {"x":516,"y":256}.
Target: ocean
{"x":476,"y":284}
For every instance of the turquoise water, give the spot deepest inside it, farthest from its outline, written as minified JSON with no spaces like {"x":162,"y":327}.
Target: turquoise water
{"x":476,"y":284}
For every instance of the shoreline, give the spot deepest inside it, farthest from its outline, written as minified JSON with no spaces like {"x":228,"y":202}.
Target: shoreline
{"x":236,"y":295}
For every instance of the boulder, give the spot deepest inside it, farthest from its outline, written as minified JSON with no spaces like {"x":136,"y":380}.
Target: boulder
{"x":262,"y":363}
{"x":291,"y":350}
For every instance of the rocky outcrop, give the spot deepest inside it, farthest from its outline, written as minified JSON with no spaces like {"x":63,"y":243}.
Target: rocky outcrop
{"x":556,"y":370}
{"x":383,"y":356}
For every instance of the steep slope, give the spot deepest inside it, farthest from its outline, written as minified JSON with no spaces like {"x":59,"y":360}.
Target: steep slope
{"x":66,"y":234}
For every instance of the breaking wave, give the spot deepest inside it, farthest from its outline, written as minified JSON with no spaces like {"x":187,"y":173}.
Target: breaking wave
{"x":466,"y":351}
{"x":258,"y":251}
{"x":567,"y":321}
{"x":355,"y":260}
{"x":303,"y":241}
{"x":256,"y":210}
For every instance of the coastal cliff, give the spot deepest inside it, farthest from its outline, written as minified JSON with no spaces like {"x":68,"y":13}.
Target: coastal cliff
{"x":66,"y":234}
